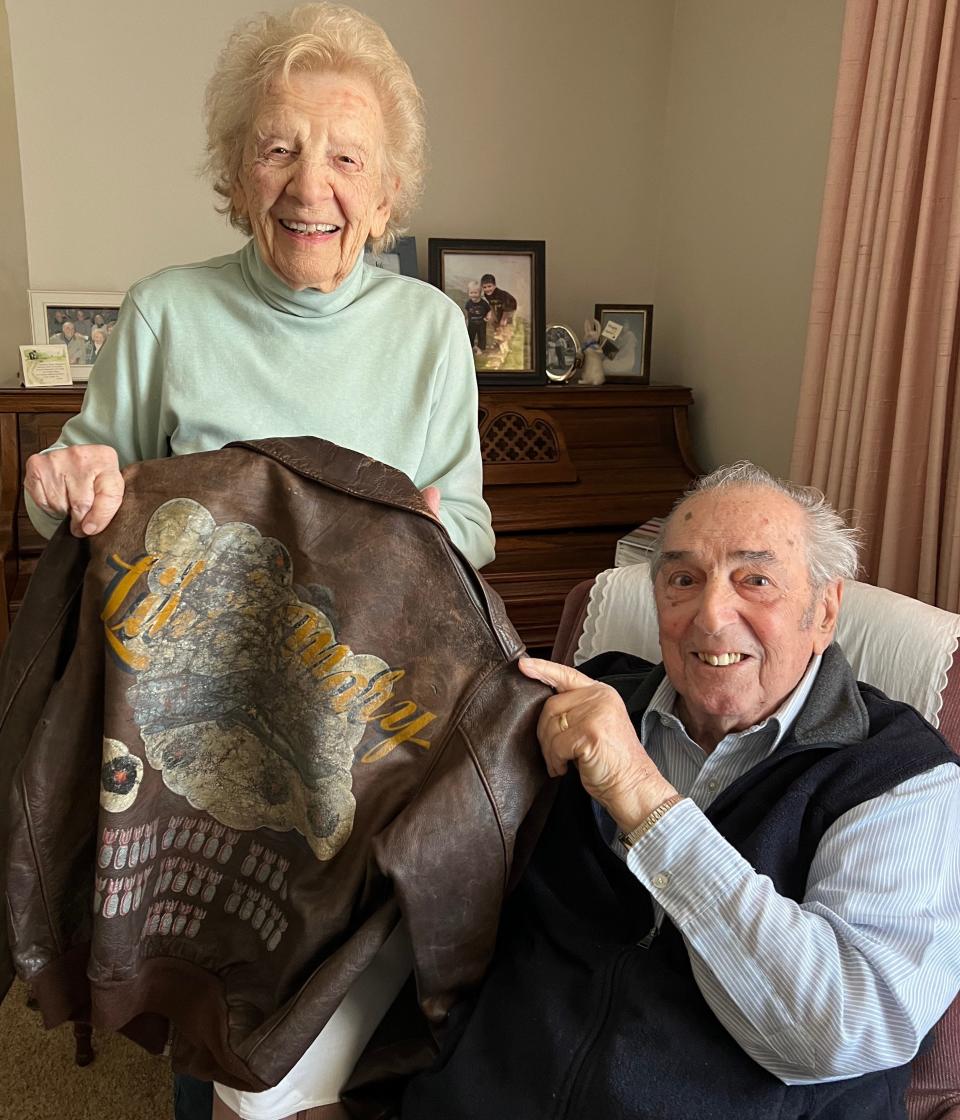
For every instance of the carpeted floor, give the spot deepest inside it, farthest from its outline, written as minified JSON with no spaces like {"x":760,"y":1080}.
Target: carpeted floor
{"x":39,"y":1080}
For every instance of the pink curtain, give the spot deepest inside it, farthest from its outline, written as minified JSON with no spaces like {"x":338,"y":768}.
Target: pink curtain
{"x":879,"y":401}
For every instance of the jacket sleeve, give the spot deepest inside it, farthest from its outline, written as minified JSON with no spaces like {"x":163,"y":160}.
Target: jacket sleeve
{"x":452,"y":852}
{"x":30,"y":665}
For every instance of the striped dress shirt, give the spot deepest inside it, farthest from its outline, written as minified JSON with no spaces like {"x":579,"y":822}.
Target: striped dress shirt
{"x":851,"y":979}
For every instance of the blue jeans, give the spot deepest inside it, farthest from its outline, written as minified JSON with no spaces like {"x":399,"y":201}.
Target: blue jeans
{"x":192,"y":1098}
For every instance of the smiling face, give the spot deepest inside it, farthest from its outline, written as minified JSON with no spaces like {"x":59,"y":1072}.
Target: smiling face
{"x":311,"y":183}
{"x":739,"y":620}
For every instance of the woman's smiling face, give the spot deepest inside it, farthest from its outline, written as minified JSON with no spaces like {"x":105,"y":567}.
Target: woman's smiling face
{"x":311,"y":183}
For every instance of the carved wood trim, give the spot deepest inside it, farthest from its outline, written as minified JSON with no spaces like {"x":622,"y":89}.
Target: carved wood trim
{"x":521,"y":446}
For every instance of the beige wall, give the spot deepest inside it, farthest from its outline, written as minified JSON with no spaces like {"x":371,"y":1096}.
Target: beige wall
{"x":748,"y":126}
{"x":15,"y":321}
{"x":668,"y":151}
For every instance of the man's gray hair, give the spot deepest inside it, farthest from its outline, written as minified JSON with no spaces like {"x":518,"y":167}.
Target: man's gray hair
{"x":832,"y":546}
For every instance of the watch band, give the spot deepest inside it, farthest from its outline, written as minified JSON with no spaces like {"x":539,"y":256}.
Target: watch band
{"x":628,"y":839}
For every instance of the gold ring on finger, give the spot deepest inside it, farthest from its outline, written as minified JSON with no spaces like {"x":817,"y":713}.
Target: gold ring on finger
{"x":564,"y":722}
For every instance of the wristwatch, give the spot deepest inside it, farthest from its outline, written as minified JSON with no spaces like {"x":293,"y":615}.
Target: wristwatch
{"x":628,"y":839}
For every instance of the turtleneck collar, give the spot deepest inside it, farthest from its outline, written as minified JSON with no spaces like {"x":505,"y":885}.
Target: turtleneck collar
{"x":308,"y":304}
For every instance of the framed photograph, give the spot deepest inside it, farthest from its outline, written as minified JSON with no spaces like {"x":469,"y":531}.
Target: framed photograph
{"x":401,"y":258}
{"x":81,"y":321}
{"x":499,"y":285}
{"x":626,"y":351}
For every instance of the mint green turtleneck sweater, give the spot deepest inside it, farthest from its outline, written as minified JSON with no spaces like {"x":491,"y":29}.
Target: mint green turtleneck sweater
{"x":222,"y":350}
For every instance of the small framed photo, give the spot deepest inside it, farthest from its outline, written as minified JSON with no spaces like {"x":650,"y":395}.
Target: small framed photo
{"x":402,"y":258}
{"x":626,"y":336}
{"x":499,"y":286}
{"x":81,"y":321}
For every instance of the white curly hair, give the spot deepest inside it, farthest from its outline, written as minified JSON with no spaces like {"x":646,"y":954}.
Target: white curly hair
{"x":325,"y":37}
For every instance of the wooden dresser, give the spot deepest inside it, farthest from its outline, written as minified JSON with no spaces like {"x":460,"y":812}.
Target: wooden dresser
{"x":567,"y":471}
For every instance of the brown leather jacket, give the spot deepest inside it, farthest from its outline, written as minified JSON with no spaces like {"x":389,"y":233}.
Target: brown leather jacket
{"x":266,"y":711}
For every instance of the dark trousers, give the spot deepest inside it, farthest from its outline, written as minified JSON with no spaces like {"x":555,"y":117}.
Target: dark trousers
{"x":192,"y":1098}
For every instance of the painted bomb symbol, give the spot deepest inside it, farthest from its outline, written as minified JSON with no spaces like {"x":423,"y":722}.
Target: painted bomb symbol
{"x":105,"y":857}
{"x":170,"y":833}
{"x":210,"y":888}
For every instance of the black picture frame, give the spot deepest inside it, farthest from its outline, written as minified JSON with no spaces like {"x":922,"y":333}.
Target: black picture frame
{"x":508,"y":343}
{"x":401,"y":258}
{"x":638,"y":317}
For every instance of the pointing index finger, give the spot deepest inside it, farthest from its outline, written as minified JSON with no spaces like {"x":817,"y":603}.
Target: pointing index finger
{"x":560,"y":677}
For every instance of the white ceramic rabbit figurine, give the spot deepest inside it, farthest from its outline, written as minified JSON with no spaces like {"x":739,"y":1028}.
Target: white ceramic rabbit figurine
{"x":592,"y":372}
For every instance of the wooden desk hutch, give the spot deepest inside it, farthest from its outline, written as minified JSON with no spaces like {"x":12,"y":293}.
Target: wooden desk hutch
{"x":567,"y":471}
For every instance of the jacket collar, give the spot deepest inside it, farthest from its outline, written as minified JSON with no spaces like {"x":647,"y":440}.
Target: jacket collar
{"x":341,"y":468}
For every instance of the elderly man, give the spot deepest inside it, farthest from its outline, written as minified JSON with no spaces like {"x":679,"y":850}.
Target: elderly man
{"x":741,"y":905}
{"x":76,"y":344}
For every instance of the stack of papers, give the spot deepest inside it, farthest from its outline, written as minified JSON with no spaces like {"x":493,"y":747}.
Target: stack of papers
{"x":637,"y":545}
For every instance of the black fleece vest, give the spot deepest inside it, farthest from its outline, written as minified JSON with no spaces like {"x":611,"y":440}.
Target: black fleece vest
{"x":578,"y":1021}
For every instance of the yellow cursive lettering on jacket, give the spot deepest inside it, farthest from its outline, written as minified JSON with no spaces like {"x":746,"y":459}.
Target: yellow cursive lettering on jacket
{"x":147,"y":616}
{"x":403,"y":732}
{"x":121,"y":586}
{"x":313,"y":641}
{"x":354,"y":685}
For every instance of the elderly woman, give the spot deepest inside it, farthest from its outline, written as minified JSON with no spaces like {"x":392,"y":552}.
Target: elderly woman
{"x":98,"y":336}
{"x":315,"y":142}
